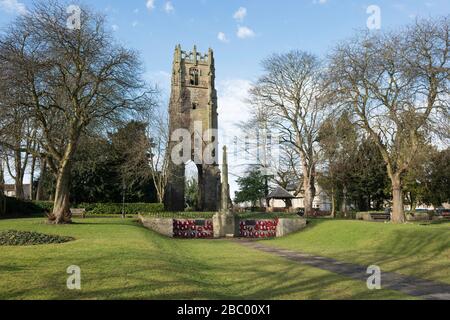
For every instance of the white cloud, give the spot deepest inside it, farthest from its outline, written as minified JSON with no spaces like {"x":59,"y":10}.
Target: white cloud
{"x":115,"y":27}
{"x":168,"y":7}
{"x":150,"y":5}
{"x":232,"y":96}
{"x":320,"y":1}
{"x":13,"y":6}
{"x":222,"y":37}
{"x":135,"y":24}
{"x":240,"y":14}
{"x":245,"y":32}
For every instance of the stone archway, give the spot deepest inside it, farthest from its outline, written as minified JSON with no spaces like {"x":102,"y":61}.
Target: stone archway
{"x":193,"y":102}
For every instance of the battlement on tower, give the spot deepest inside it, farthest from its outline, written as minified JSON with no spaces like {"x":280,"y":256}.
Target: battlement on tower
{"x":194,"y":57}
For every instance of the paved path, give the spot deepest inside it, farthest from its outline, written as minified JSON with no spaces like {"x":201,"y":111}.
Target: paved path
{"x":425,"y":289}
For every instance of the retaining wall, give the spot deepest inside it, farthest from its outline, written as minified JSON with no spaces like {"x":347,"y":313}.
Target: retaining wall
{"x":222,"y":226}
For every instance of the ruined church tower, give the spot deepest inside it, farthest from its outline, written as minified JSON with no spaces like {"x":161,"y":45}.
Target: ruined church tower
{"x":193,"y":106}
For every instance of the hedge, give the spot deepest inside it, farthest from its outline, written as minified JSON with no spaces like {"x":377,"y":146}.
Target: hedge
{"x":179,"y":215}
{"x":116,"y":208}
{"x":24,"y":207}
{"x":267,"y":215}
{"x":350,"y":215}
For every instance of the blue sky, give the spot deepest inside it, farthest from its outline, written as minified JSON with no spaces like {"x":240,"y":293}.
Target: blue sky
{"x":312,"y":25}
{"x":249,"y":31}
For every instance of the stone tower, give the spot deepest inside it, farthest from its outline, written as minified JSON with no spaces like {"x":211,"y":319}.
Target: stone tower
{"x":193,"y":106}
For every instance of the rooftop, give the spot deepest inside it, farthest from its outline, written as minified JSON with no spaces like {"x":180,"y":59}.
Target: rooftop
{"x":280,"y":193}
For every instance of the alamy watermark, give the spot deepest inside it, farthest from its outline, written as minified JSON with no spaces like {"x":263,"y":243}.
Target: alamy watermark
{"x":374,"y":20}
{"x":74,"y":280}
{"x":74,"y":18}
{"x":259,"y":146}
{"x":374,"y":280}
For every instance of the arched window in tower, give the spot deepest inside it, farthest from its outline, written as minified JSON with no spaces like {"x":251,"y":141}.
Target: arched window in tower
{"x":194,"y":76}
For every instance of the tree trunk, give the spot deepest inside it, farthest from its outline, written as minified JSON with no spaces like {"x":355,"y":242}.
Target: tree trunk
{"x":344,"y":201}
{"x":398,"y":215}
{"x":40,"y":186}
{"x":61,"y":206}
{"x":159,"y":186}
{"x":2,"y":190}
{"x":310,"y":193}
{"x":33,"y":167}
{"x":413,"y":202}
{"x":19,"y":189}
{"x":333,"y":203}
{"x":160,"y":197}
{"x":20,"y":193}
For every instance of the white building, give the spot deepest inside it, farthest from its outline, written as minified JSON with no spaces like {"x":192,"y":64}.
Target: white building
{"x":321,"y":201}
{"x":10,"y":190}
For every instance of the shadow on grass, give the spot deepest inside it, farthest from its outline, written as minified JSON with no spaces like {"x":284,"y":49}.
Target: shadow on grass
{"x":408,"y":251}
{"x":255,"y":282}
{"x":176,"y":269}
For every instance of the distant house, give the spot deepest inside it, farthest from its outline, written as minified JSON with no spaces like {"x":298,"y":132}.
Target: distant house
{"x":321,"y":201}
{"x":10,"y":190}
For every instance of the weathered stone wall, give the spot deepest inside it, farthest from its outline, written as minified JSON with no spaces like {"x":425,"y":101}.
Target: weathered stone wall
{"x":363,"y":216}
{"x":162,"y":226}
{"x":418,"y":216}
{"x":222,"y":226}
{"x":287,"y":226}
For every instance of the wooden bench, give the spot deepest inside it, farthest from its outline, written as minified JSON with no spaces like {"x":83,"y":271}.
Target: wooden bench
{"x":78,"y":212}
{"x":380,"y":216}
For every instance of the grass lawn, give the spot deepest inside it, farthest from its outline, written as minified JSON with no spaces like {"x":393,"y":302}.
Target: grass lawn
{"x":119,"y":259}
{"x":410,"y":249}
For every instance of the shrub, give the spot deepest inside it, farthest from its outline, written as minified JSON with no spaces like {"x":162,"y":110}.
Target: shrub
{"x":26,"y":238}
{"x":180,"y":215}
{"x":268,"y":215}
{"x":44,"y":206}
{"x":351,"y":215}
{"x":116,"y":208}
{"x":24,"y":207}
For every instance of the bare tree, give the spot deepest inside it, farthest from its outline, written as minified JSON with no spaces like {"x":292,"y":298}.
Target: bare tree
{"x":19,"y":143}
{"x":2,"y":186}
{"x":17,"y":132}
{"x":278,"y":162}
{"x":70,"y":81}
{"x":290,"y":92}
{"x":397,"y":85}
{"x":158,"y":132}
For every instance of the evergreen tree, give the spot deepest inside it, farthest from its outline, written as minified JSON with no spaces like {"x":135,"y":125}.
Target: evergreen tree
{"x":252,"y":188}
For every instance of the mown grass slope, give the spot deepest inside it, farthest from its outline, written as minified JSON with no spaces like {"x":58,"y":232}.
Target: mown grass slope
{"x":410,"y":249}
{"x":119,"y":259}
